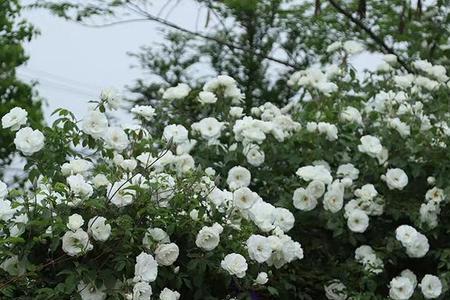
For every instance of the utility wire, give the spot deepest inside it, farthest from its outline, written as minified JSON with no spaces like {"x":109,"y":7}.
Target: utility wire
{"x":62,"y":78}
{"x":60,"y":85}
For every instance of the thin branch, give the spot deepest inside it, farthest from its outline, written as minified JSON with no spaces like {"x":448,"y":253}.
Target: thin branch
{"x":232,"y":46}
{"x":163,"y":7}
{"x":372,"y":35}
{"x":172,"y":9}
{"x":114,"y":23}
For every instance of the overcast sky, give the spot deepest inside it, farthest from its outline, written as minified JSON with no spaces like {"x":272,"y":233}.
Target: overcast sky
{"x":74,"y":63}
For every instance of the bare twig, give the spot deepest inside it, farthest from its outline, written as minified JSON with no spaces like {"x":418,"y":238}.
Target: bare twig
{"x":371,"y":34}
{"x":121,"y":22}
{"x":146,"y":16}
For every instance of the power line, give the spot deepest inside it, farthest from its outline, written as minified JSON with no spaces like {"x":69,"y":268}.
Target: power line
{"x":60,"y":85}
{"x":58,"y":82}
{"x":62,"y":78}
{"x":61,"y":82}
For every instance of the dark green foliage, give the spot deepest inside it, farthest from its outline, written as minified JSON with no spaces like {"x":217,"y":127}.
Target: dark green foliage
{"x":13,"y":92}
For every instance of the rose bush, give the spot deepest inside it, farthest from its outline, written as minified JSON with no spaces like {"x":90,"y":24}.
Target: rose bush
{"x":113,"y":213}
{"x":340,"y":194}
{"x":359,"y":159}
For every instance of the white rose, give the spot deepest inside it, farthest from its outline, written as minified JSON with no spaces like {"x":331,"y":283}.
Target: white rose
{"x":401,"y":288}
{"x":98,"y":228}
{"x":316,"y":189}
{"x":166,"y":254}
{"x":334,"y":46}
{"x":283,"y":219}
{"x":167,"y":294}
{"x":219,"y":198}
{"x":155,"y":234}
{"x":263,"y":215}
{"x":390,"y":58}
{"x":186,"y":147}
{"x":419,"y":246}
{"x":15,"y":118}
{"x":208,"y":238}
{"x":128,"y":164}
{"x":119,"y":194}
{"x":210,"y":129}
{"x":6,"y":210}
{"x":234,"y":264}
{"x":262,"y":278}
{"x":429,"y":214}
{"x":290,"y":249}
{"x":178,"y":92}
{"x":118,"y":159}
{"x":383,"y":156}
{"x":410,"y":275}
{"x":402,"y":128}
{"x":29,"y":141}
{"x":370,"y":145}
{"x":184,"y":163}
{"x":79,"y":186}
{"x":142,"y":291}
{"x":367,"y":192}
{"x":76,"y":166}
{"x":353,"y":47}
{"x":205,"y":97}
{"x":75,"y":222}
{"x":372,"y":263}
{"x":330,"y":130}
{"x":435,"y":194}
{"x":178,"y":133}
{"x":146,"y":268}
{"x":431,"y":286}
{"x":111,"y":98}
{"x":145,"y":111}
{"x":244,"y":198}
{"x":95,"y":124}
{"x":333,"y":200}
{"x":194,"y":214}
{"x":311,"y":126}
{"x":335,"y":290}
{"x":115,"y":138}
{"x":238,"y":177}
{"x":358,"y":221}
{"x":255,"y":156}
{"x":431,"y":180}
{"x":396,"y":179}
{"x":74,"y":243}
{"x":319,"y":173}
{"x":302,"y":200}
{"x":406,"y":234}
{"x":236,"y":111}
{"x":100,"y":180}
{"x":259,"y":248}
{"x":352,"y":115}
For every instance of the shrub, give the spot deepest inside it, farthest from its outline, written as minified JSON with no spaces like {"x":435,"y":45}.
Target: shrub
{"x":107,"y":211}
{"x":355,"y":158}
{"x":354,"y":169}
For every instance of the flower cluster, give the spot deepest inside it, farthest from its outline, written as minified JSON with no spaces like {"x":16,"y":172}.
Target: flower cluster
{"x":123,"y":212}
{"x":341,"y":168}
{"x":331,"y":194}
